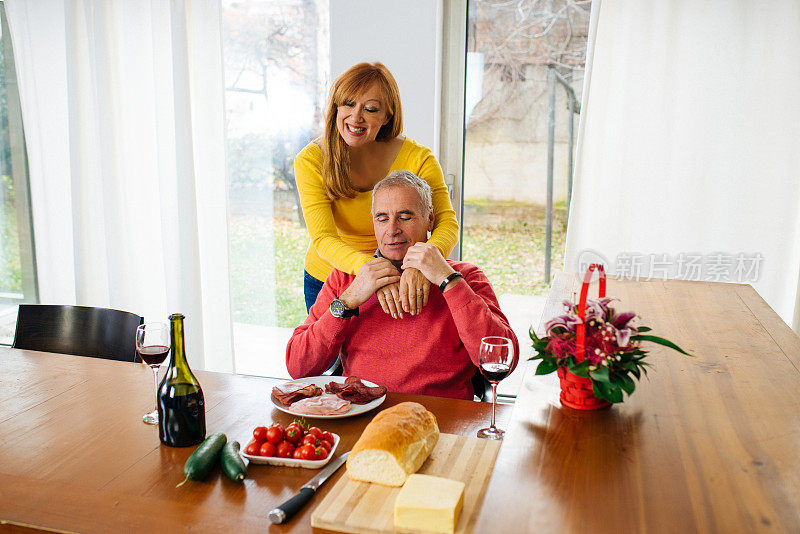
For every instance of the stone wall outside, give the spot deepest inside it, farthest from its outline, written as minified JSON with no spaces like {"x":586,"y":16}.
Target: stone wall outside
{"x":506,"y":139}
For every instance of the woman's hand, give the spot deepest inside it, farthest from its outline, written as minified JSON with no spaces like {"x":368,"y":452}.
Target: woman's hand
{"x":389,"y":297}
{"x":409,"y":295}
{"x":414,"y":290}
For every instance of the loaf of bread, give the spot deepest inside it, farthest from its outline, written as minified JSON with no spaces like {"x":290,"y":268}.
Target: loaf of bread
{"x":394,"y":445}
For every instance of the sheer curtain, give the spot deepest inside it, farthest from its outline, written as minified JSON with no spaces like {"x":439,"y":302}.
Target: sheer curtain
{"x":123,"y":110}
{"x":688,"y":159}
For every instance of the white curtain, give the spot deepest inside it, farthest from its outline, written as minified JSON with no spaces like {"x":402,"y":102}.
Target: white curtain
{"x":124,"y":114}
{"x":688,"y":159}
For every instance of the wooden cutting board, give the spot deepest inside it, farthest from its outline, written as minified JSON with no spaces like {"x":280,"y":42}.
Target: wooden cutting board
{"x":369,"y":508}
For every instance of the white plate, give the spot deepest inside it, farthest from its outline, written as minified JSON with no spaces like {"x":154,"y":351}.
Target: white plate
{"x":320,"y":381}
{"x":291,"y":462}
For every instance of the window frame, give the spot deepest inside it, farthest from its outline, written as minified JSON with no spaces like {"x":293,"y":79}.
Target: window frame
{"x":19,"y":170}
{"x":453,"y":98}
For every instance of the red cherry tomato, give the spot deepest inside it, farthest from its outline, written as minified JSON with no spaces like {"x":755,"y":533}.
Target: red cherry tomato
{"x":298,"y":453}
{"x":260,"y":434}
{"x":305,"y":452}
{"x":275,"y":433}
{"x":301,"y":424}
{"x":316,"y":432}
{"x":320,"y":453}
{"x":285,"y":449}
{"x":308,"y":439}
{"x":293,"y":434}
{"x":267,"y":449}
{"x":325,"y":444}
{"x":327,"y":436}
{"x":253,"y":448}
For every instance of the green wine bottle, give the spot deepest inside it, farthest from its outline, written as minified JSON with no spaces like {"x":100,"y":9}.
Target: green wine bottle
{"x":181,"y":406}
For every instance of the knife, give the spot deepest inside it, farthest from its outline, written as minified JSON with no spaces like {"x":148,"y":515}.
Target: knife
{"x":287,"y":510}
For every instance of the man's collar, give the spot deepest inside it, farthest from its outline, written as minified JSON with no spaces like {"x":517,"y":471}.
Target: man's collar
{"x":379,"y":255}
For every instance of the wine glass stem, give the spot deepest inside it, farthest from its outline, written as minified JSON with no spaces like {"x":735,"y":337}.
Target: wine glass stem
{"x":155,"y":378}
{"x":494,"y":401}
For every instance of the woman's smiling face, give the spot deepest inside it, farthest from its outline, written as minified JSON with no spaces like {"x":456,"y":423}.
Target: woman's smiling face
{"x":359,"y":120}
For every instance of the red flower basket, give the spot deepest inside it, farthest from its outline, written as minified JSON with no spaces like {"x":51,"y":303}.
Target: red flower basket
{"x":576,"y":391}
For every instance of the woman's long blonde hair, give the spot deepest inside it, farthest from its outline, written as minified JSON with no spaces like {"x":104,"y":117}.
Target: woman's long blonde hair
{"x":350,"y":84}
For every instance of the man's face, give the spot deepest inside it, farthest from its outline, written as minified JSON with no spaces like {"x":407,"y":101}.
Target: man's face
{"x":399,"y":220}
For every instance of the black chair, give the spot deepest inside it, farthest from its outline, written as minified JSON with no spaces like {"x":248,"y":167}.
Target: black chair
{"x":482,"y":387}
{"x":79,"y":330}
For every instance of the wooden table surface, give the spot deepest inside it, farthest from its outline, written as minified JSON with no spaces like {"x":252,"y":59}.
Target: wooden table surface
{"x":76,"y":457}
{"x":706,"y":444}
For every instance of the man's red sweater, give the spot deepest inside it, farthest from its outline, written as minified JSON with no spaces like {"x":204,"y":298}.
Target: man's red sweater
{"x":432,"y":353}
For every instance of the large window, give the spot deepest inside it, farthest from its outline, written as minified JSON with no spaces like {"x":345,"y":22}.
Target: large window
{"x":17,"y":273}
{"x":276,"y":78}
{"x":277,"y":57}
{"x":511,"y":46}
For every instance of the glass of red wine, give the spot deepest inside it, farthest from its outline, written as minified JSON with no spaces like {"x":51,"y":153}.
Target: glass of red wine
{"x":496,"y":359}
{"x":152,"y":344}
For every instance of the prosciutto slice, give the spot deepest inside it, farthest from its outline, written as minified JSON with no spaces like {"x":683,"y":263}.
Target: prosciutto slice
{"x":322,"y":405}
{"x":355,"y":391}
{"x":292,"y":391}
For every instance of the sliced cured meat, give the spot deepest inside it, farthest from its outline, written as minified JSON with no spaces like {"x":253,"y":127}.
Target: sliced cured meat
{"x":289,"y":387}
{"x":355,"y":391}
{"x":335,"y":387}
{"x":321,"y":405}
{"x":292,"y":391}
{"x":360,"y":395}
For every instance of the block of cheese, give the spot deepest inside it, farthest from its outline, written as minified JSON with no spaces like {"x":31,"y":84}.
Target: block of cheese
{"x":428,"y":503}
{"x":393,"y":445}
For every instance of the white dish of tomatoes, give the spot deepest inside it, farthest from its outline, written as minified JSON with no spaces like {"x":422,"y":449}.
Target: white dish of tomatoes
{"x":276,"y":435}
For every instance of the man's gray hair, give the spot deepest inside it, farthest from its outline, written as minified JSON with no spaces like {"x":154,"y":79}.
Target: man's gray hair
{"x":408,"y":179}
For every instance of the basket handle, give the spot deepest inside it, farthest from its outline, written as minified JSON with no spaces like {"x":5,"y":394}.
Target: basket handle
{"x":580,"y":331}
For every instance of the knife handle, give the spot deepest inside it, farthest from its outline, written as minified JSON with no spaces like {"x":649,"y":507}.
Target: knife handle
{"x":287,"y":510}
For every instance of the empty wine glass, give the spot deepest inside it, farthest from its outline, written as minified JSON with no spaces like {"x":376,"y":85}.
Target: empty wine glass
{"x":152,"y":344}
{"x":496,"y":358}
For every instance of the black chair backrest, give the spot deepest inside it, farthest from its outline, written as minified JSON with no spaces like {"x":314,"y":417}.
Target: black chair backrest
{"x":482,"y":387}
{"x":80,"y":330}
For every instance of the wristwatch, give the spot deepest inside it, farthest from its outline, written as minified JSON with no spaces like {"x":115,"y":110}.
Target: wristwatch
{"x":339,"y":309}
{"x":449,"y":279}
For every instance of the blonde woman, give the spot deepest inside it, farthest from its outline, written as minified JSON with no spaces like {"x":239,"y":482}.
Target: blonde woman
{"x":335,"y":174}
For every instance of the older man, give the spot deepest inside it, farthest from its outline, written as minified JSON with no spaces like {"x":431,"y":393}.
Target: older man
{"x":434,"y":352}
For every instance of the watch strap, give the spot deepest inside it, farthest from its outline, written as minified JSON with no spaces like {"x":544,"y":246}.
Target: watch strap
{"x":449,"y":279}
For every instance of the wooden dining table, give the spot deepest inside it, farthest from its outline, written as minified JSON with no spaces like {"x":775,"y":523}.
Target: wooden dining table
{"x":705,"y":444}
{"x":75,"y":455}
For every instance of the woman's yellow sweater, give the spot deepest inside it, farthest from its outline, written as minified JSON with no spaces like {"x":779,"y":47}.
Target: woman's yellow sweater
{"x":341,"y":230}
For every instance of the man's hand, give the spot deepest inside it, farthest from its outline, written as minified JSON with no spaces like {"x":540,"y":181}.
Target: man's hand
{"x":371,"y":276}
{"x":429,"y":261}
